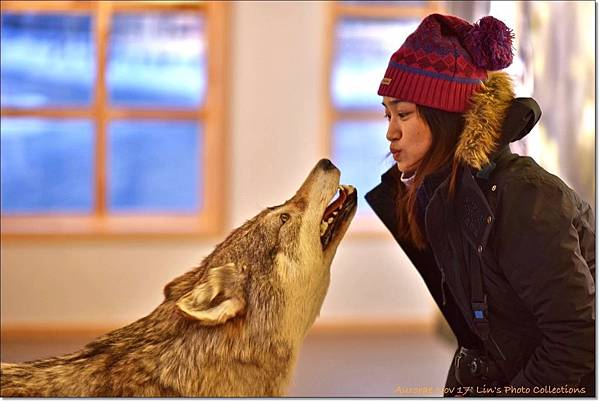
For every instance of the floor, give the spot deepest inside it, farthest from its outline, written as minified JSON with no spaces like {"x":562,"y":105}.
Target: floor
{"x":330,"y":364}
{"x":376,"y":365}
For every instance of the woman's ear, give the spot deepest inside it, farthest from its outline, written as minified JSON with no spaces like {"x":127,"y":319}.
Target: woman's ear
{"x":217,"y":298}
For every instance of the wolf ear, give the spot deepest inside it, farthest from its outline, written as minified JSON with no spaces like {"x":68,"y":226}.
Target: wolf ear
{"x":217,"y":298}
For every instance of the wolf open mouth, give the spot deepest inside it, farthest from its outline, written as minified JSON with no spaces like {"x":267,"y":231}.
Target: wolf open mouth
{"x":337,"y":212}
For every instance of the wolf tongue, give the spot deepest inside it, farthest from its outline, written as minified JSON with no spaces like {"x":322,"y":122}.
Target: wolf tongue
{"x":337,"y":203}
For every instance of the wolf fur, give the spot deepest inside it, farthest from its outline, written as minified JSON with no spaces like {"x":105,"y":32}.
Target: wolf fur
{"x":230,"y":327}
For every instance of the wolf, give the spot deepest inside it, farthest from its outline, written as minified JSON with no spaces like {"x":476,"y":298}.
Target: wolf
{"x":233,"y":326}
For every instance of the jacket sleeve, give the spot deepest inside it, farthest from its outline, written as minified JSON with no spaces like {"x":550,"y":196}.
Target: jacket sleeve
{"x":540,"y":255}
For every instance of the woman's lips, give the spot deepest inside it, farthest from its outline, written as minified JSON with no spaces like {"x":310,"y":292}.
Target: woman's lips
{"x":395,"y":154}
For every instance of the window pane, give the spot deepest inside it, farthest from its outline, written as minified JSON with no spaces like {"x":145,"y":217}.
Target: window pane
{"x":360,"y":151}
{"x":363,"y":49}
{"x":46,"y":165}
{"x":46,"y":60}
{"x":157,"y":59}
{"x":155,"y":166}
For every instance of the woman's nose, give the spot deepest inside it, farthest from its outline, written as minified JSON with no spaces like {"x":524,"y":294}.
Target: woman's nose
{"x":393,"y":133}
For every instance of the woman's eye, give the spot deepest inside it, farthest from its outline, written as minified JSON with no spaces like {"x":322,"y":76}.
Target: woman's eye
{"x":400,"y":115}
{"x":284,"y":217}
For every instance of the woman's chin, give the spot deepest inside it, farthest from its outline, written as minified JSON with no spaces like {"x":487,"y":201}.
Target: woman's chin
{"x":403,"y":167}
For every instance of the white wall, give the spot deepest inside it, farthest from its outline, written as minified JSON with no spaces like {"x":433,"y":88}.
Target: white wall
{"x":276,"y":121}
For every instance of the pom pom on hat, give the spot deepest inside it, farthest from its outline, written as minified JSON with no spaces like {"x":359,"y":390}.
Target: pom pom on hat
{"x":490,"y":44}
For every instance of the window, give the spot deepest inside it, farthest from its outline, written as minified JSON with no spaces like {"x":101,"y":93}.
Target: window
{"x":112,"y":117}
{"x":364,"y":36}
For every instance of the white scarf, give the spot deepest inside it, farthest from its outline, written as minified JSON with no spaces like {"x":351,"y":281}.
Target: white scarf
{"x":408,"y":181}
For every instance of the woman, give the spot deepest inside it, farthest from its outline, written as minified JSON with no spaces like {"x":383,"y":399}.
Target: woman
{"x":506,"y":249}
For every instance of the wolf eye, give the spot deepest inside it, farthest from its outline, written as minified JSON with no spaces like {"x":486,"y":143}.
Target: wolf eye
{"x":284,"y":217}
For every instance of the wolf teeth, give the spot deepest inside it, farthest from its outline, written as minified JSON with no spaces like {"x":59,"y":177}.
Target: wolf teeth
{"x":347,"y":188}
{"x":324,"y":227}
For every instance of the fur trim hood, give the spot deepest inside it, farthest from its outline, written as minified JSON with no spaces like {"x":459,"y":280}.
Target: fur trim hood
{"x":495,"y":118}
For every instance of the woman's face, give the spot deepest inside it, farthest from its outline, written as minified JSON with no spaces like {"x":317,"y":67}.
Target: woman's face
{"x":408,"y":134}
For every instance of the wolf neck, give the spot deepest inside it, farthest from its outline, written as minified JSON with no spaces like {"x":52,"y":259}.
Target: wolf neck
{"x":267,"y":374}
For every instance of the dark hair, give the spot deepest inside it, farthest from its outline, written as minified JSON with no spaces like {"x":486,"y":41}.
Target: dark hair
{"x":445,"y":128}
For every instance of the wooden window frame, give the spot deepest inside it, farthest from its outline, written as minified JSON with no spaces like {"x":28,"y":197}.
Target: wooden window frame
{"x":362,"y":226}
{"x":210,"y":219}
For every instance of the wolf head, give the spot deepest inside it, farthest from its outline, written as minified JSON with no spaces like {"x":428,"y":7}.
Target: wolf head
{"x":272,"y":273}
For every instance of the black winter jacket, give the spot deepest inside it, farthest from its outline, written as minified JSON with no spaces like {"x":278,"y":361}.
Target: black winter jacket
{"x":533,"y":239}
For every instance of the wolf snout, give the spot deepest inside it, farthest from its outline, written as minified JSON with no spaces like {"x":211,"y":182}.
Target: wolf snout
{"x":326,"y":164}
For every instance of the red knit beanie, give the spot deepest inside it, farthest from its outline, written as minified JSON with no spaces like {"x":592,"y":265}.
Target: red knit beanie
{"x":445,"y":60}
